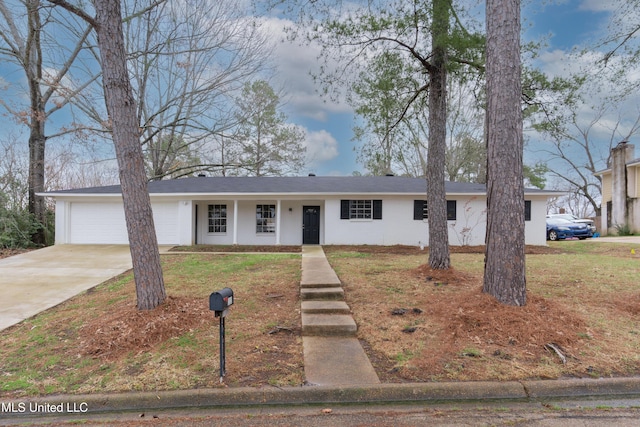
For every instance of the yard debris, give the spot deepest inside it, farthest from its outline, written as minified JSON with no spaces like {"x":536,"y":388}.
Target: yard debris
{"x":278,"y":329}
{"x":558,"y":350}
{"x":275,"y":295}
{"x":403,"y":311}
{"x":409,"y":329}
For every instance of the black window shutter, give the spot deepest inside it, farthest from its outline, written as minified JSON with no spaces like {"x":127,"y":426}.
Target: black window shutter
{"x":451,"y":210}
{"x":527,"y":210}
{"x":344,"y":209}
{"x":377,"y":209}
{"x":418,"y":209}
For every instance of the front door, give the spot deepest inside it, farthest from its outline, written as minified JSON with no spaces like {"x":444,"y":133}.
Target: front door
{"x":311,"y":225}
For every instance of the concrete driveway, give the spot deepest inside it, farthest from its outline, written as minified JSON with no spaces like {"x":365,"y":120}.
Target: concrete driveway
{"x":35,"y":281}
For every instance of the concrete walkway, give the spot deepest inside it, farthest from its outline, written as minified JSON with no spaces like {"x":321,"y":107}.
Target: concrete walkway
{"x":333,"y":355}
{"x":35,"y":281}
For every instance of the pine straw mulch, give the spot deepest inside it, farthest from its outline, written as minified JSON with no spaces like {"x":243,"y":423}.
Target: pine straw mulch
{"x":125,"y":329}
{"x":473,"y":318}
{"x":451,"y":330}
{"x":7,"y":252}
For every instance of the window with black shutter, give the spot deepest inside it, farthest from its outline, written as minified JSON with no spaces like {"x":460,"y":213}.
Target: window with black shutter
{"x":377,"y":209}
{"x":451,"y":210}
{"x":421,"y":210}
{"x":361,"y":209}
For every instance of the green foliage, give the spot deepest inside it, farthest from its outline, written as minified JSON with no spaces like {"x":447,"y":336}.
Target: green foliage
{"x":16,"y":225}
{"x":623,"y":230}
{"x":535,"y":175}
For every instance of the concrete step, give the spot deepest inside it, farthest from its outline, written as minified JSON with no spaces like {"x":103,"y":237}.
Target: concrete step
{"x":325,"y":307}
{"x":335,"y":361}
{"x":328,"y":325}
{"x":320,"y":284}
{"x":317,"y":272}
{"x":323,"y":294}
{"x":310,"y":280}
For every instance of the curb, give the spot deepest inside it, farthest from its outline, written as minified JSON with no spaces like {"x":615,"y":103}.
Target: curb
{"x":320,"y":395}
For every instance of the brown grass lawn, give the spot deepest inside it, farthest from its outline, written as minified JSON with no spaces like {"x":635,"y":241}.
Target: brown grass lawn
{"x":415,"y":324}
{"x":423,"y":325}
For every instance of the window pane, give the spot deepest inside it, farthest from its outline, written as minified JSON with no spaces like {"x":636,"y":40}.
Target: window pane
{"x":217,"y":218}
{"x":265,"y":218}
{"x":360,"y":209}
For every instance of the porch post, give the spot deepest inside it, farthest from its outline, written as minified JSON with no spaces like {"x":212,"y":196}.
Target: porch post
{"x":235,"y":222}
{"x":278,"y":221}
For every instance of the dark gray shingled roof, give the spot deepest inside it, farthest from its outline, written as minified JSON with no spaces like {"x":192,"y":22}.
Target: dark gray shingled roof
{"x":292,"y":185}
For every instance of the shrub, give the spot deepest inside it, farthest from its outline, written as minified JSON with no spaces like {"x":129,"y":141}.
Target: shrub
{"x":16,"y":226}
{"x":623,"y":230}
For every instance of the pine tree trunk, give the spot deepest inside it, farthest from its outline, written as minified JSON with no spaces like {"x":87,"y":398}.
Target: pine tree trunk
{"x":126,"y":137}
{"x":436,"y":194}
{"x":504,"y":274}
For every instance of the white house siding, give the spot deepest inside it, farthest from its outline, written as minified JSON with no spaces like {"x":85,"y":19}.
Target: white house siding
{"x":290,"y":220}
{"x":247,"y":234}
{"x":535,"y":230}
{"x":204,"y":236}
{"x":397,"y":226}
{"x":470,"y":225}
{"x":101,"y":221}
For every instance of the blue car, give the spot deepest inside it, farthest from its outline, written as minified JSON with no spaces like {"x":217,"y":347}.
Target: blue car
{"x":560,"y":228}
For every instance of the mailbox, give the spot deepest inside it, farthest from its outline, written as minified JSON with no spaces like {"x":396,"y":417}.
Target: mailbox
{"x":221,"y":300}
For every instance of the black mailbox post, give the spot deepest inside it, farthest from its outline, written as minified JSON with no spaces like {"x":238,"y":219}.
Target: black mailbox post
{"x":219,"y":303}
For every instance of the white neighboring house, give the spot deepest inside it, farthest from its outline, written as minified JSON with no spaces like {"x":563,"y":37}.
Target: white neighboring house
{"x":383,"y":210}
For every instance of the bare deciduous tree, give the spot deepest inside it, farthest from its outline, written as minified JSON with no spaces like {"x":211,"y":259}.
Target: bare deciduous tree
{"x":187,"y":64}
{"x":47,"y":71}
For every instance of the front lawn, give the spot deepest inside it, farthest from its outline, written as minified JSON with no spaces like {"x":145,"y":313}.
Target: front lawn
{"x":415,"y":324}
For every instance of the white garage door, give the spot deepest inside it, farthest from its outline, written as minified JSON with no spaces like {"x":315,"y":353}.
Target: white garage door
{"x":104,"y":223}
{"x":97,"y":223}
{"x":165,"y":218}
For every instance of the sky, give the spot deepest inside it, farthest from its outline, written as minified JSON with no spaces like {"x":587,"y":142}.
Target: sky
{"x":328,"y":125}
{"x":564,"y":25}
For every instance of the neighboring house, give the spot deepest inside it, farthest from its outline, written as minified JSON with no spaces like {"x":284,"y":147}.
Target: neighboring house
{"x":621,"y":190}
{"x":385,"y":210}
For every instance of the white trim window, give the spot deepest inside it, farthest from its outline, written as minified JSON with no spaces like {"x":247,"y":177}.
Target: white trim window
{"x":265,"y":219}
{"x":361,"y":209}
{"x":217,"y":218}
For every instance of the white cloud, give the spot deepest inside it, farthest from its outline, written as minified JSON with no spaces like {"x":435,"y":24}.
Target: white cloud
{"x":321,"y":146}
{"x":598,"y":5}
{"x":295,"y":63}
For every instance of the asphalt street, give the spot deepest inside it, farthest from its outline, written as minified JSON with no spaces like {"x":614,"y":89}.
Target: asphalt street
{"x":548,"y":413}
